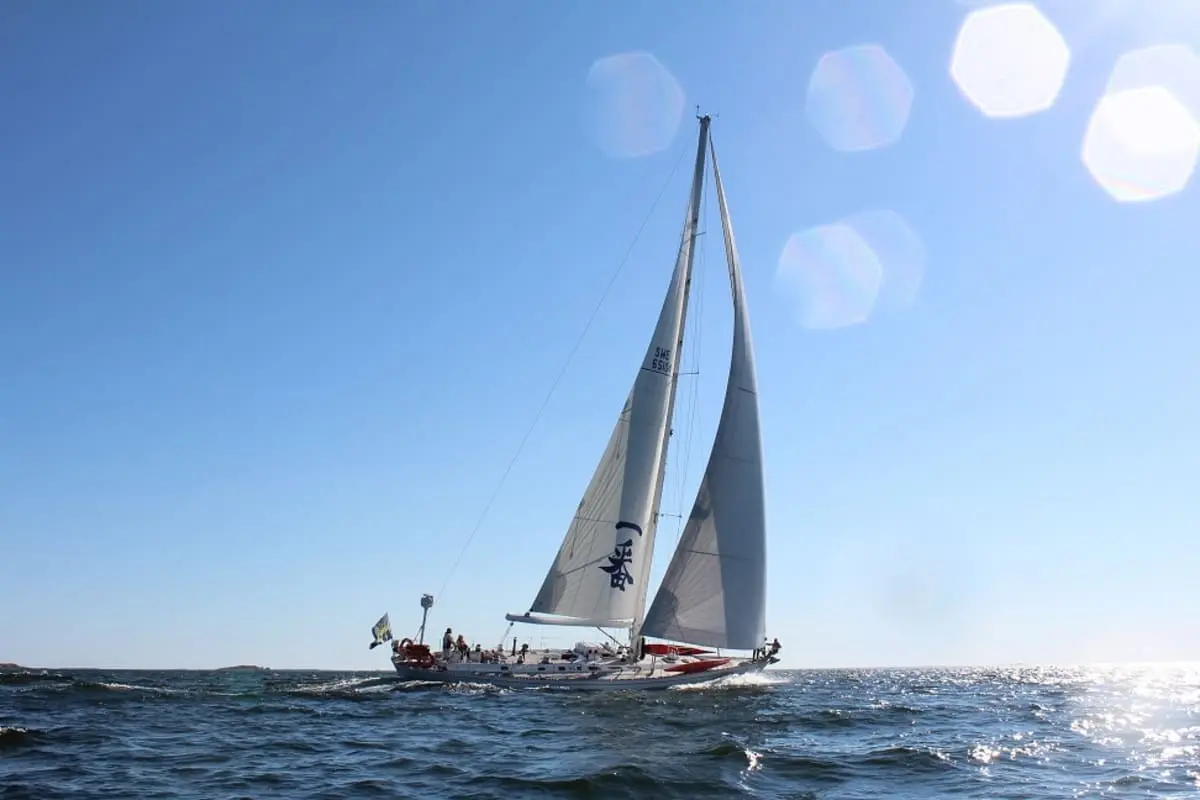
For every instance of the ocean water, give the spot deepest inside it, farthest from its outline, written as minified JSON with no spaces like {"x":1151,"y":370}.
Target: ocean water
{"x":920,"y":733}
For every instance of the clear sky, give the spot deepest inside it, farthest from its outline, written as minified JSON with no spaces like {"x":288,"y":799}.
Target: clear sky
{"x":283,"y":285}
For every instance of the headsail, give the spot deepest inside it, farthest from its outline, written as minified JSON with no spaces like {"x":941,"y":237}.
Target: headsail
{"x":600,"y":574}
{"x":714,"y":590}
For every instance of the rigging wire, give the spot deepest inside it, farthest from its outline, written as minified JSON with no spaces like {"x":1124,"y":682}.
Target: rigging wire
{"x":553,"y":386}
{"x":684,"y":451}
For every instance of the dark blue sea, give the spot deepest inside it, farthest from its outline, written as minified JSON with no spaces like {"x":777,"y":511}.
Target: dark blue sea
{"x":918,"y":733}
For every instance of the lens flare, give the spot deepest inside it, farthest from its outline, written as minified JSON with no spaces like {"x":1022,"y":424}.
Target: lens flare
{"x":632,"y":105}
{"x":1143,"y":137}
{"x":1009,"y":60}
{"x":859,"y":98}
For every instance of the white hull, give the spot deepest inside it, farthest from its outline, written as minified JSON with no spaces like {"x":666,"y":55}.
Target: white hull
{"x":635,"y":677}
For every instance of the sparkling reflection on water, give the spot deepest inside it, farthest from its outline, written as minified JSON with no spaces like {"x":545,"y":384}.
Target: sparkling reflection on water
{"x":906,"y":733}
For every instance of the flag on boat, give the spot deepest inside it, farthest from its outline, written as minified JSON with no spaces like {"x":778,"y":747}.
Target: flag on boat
{"x":382,"y":631}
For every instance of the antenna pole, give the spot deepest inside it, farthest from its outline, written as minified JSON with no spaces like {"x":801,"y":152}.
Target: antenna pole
{"x":426,"y":604}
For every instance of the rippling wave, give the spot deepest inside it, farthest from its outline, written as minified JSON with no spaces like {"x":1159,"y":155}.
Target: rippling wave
{"x":1020,"y":732}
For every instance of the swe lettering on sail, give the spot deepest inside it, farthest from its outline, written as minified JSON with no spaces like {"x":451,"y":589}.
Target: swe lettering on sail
{"x":661,"y":362}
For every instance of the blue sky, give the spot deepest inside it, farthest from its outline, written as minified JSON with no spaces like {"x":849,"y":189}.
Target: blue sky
{"x":282,"y":286}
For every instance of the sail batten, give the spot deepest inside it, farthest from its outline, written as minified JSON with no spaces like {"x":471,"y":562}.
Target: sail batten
{"x":714,"y":590}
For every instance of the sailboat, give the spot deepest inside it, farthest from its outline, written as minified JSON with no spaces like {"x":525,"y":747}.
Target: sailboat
{"x":712,"y":598}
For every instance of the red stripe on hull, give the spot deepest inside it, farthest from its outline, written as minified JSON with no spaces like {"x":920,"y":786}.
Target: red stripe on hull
{"x":675,"y":650}
{"x":697,"y":666}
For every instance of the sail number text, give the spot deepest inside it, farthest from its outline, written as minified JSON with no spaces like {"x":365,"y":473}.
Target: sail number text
{"x":661,"y":362}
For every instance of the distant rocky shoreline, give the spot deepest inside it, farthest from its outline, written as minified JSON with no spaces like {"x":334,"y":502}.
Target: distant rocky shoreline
{"x":8,"y":666}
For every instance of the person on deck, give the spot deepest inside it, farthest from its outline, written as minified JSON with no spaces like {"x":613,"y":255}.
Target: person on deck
{"x":447,"y":643}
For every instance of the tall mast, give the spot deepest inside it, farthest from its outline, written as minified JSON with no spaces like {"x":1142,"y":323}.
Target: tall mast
{"x":692,"y":231}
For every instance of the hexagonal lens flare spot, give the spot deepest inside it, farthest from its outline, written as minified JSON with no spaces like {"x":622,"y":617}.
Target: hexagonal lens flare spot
{"x":1009,"y":60}
{"x":1141,"y":144}
{"x":1175,"y":66}
{"x":900,"y":252}
{"x":1143,"y":138}
{"x":858,"y":98}
{"x":831,"y":275}
{"x":632,"y":105}
{"x":840,"y":274}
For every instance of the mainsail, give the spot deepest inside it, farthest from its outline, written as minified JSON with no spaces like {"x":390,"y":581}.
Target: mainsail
{"x":714,"y":590}
{"x":600,"y":574}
